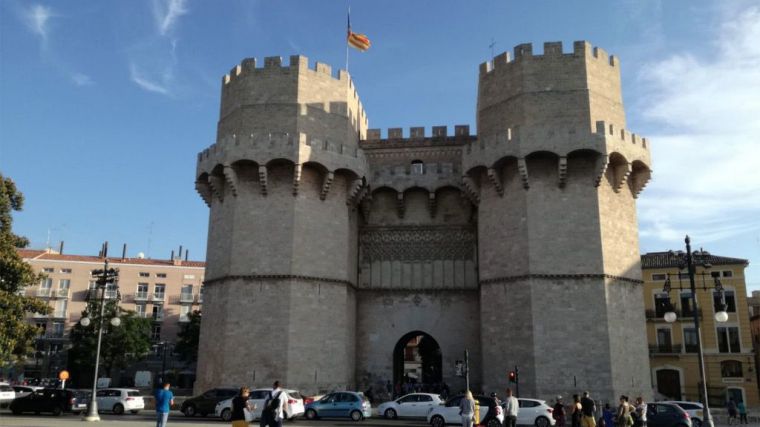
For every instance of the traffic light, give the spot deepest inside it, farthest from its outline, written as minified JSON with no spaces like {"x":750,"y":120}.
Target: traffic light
{"x":512,"y":376}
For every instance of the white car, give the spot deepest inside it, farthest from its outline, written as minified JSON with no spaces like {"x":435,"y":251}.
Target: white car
{"x":448,"y":412}
{"x":119,"y":400}
{"x":694,"y":409}
{"x":6,"y":394}
{"x":534,"y":412}
{"x":23,"y":390}
{"x":294,"y":407}
{"x":409,"y":406}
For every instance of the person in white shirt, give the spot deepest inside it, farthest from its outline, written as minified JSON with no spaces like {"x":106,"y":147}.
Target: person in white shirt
{"x":511,"y":407}
{"x":641,"y":412}
{"x":273,"y":413}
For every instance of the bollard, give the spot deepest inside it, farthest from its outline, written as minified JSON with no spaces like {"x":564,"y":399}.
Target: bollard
{"x":477,"y":414}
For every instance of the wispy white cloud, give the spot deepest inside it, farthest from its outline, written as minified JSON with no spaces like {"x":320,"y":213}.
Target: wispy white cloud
{"x":145,"y":82}
{"x":706,"y":177}
{"x":166,"y":13}
{"x":37,"y":17}
{"x":81,"y":79}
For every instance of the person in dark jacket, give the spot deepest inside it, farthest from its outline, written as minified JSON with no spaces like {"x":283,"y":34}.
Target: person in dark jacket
{"x":239,"y":405}
{"x":558,"y":412}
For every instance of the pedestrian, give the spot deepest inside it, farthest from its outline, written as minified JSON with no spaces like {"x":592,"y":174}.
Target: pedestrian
{"x":558,"y":412}
{"x":445,"y":391}
{"x":742,"y":413}
{"x":493,"y":409}
{"x":641,"y":412}
{"x":164,"y":402}
{"x":609,"y":416}
{"x":624,"y":418}
{"x":467,"y":409}
{"x":240,"y":404}
{"x":511,"y":408}
{"x":575,"y":412}
{"x":731,"y":406}
{"x":389,"y":387}
{"x":274,"y":407}
{"x":588,"y":407}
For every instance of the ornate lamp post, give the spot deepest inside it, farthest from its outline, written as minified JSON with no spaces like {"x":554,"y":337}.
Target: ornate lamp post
{"x":105,"y":277}
{"x":689,"y":261}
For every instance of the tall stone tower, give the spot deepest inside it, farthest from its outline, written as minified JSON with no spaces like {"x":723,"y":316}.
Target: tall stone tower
{"x":555,"y":176}
{"x":281,"y":256}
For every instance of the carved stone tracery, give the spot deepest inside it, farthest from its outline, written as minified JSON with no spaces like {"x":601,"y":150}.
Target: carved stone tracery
{"x":415,"y":243}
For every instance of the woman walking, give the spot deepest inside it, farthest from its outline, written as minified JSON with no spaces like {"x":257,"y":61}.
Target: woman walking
{"x":467,"y":409}
{"x":239,"y":405}
{"x":558,"y":412}
{"x":624,"y":418}
{"x":576,"y":412}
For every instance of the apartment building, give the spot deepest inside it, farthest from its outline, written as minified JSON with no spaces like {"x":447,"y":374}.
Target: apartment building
{"x":164,"y":290}
{"x":730,"y":362}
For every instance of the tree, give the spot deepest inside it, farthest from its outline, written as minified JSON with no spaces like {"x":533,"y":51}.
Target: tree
{"x":187,"y":338}
{"x":121,"y":345}
{"x":16,"y":334}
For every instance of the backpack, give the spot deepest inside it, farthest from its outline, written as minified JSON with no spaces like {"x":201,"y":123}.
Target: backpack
{"x":273,"y":403}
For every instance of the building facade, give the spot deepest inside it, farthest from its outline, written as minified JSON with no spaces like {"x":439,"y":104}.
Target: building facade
{"x":165,"y":291}
{"x":335,"y":244}
{"x":730,"y":364}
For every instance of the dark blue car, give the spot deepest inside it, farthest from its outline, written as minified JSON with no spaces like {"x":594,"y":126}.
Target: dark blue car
{"x":340,"y":404}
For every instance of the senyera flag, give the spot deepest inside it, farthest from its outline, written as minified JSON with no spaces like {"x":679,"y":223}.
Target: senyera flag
{"x":356,"y":40}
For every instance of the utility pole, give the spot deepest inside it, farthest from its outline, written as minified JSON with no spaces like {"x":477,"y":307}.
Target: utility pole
{"x":466,"y":370}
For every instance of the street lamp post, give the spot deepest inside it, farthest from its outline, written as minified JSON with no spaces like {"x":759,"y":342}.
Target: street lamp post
{"x":105,"y":276}
{"x":689,"y":262}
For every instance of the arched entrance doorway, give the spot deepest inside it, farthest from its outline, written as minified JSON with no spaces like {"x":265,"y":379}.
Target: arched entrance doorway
{"x":417,"y":360}
{"x":669,"y":383}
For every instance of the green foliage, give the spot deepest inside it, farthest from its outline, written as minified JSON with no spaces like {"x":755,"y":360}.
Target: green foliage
{"x":187,"y":338}
{"x":121,"y":345}
{"x":16,"y":334}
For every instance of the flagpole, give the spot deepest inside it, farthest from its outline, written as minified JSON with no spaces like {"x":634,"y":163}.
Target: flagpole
{"x":348,"y":31}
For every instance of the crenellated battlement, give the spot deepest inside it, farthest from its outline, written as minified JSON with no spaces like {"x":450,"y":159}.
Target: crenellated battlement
{"x":274,"y":64}
{"x":552,"y":51}
{"x":416,"y":136}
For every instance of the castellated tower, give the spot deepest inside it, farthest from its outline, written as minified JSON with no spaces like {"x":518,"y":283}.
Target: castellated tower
{"x":280,"y":182}
{"x":555,"y":176}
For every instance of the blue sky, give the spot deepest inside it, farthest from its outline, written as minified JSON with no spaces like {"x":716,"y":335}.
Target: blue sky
{"x":104,"y":105}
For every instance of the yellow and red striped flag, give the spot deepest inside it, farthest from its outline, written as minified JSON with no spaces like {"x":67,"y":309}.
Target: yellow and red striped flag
{"x":356,"y":40}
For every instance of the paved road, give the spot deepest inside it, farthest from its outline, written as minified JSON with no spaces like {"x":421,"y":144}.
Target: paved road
{"x":146,"y":419}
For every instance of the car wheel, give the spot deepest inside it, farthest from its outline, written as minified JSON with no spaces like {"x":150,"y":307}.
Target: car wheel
{"x":390,"y":413}
{"x":118,"y":409}
{"x":311,"y":414}
{"x":57,"y":410}
{"x":135,"y":411}
{"x":437,"y":421}
{"x":542,"y":422}
{"x":356,"y":415}
{"x":189,"y":411}
{"x":696,"y":422}
{"x":226,"y":414}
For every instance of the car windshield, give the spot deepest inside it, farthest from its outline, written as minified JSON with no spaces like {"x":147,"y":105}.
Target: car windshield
{"x":133,"y":393}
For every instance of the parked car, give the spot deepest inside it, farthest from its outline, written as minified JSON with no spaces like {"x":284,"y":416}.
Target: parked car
{"x":694,"y":409}
{"x":55,"y":401}
{"x":340,"y":404}
{"x":23,"y":390}
{"x":7,"y":394}
{"x":534,"y":412}
{"x":448,"y":412}
{"x":206,"y":402}
{"x":411,"y":405}
{"x":294,"y":406}
{"x":667,"y":415}
{"x":119,"y":400}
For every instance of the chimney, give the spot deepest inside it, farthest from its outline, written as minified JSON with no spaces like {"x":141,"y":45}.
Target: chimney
{"x":60,"y":248}
{"x":180,"y":251}
{"x":172,"y":257}
{"x":124,"y":251}
{"x":105,"y":249}
{"x":186,"y":254}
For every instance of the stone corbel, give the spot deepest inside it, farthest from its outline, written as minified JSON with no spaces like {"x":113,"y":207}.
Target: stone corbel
{"x":204,"y":190}
{"x":296,"y":178}
{"x":639,"y":180}
{"x":400,"y":204}
{"x":471,"y":189}
{"x":263,"y":179}
{"x":493,"y":176}
{"x":622,"y":172}
{"x":562,"y":172}
{"x":216,"y":184}
{"x":522,"y":167}
{"x":356,"y":189}
{"x":326,"y":185}
{"x":601,"y":167}
{"x":230,"y":177}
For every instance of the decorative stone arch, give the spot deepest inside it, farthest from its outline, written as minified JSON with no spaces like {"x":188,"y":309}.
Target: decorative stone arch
{"x":618,"y":171}
{"x":545,"y":165}
{"x":216,"y":181}
{"x":431,"y":362}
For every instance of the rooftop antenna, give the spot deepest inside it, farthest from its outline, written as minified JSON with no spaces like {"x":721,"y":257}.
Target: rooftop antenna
{"x":493,"y":43}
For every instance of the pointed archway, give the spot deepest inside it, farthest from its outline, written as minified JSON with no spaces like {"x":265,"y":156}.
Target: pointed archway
{"x":417,"y":359}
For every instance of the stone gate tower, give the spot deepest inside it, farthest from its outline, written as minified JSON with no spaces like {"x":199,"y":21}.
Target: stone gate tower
{"x":330,"y":245}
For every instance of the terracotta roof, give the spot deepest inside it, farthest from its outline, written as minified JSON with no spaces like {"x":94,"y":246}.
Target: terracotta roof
{"x":672,"y":260}
{"x":52,"y":256}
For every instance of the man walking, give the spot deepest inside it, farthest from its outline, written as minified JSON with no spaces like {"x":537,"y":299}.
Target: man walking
{"x":274,"y":408}
{"x":588,"y":407}
{"x":164,"y":402}
{"x":510,"y":409}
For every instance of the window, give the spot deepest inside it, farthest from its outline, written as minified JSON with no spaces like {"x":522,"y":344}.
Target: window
{"x":48,"y":269}
{"x":41,"y":327}
{"x":731,"y":369}
{"x":161,"y":275}
{"x":159,"y":291}
{"x":687,"y":309}
{"x":418,"y":168}
{"x":189,"y":276}
{"x":424,"y":398}
{"x":728,"y":339}
{"x":140,"y":310}
{"x":408,"y":399}
{"x":728,"y":273}
{"x":184,"y":310}
{"x":186,"y":295}
{"x":664,"y":340}
{"x":661,"y":301}
{"x":200,"y":294}
{"x":47,"y":283}
{"x":730,"y":301}
{"x":158,"y":313}
{"x":60,"y":308}
{"x":66,"y":270}
{"x":58,"y":329}
{"x":527,"y":403}
{"x":144,"y":274}
{"x":112,"y":290}
{"x":155,"y":332}
{"x":142,"y":291}
{"x":658,"y":276}
{"x":690,"y":340}
{"x":64,"y":284}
